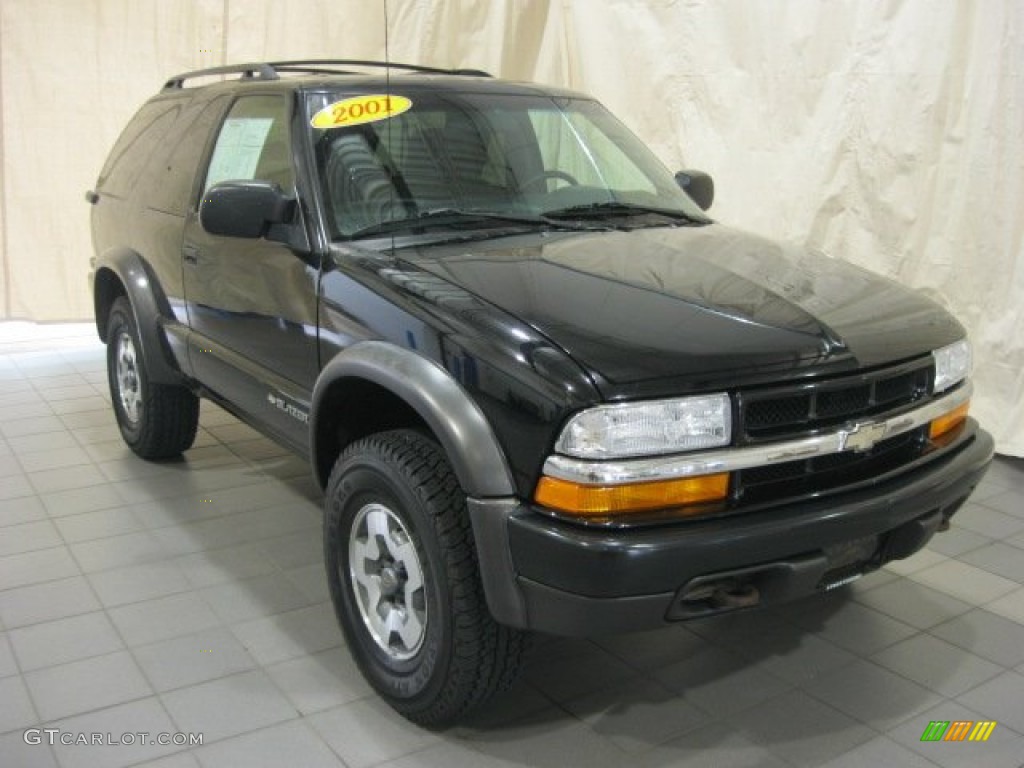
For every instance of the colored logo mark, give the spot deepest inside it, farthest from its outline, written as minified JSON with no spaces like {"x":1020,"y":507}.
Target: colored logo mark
{"x":958,"y":730}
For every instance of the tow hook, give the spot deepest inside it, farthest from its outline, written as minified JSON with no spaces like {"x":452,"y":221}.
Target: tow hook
{"x":737,"y":596}
{"x":724,"y":595}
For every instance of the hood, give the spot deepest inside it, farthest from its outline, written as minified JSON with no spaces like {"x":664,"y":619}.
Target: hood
{"x":650,"y":311}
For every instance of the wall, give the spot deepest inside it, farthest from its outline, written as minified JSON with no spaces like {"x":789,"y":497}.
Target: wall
{"x":884,"y":133}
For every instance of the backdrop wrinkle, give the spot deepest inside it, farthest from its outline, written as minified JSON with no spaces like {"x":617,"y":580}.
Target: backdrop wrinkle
{"x":883,"y":132}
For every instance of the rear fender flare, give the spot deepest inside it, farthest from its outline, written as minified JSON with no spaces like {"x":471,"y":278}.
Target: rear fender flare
{"x":149,"y":306}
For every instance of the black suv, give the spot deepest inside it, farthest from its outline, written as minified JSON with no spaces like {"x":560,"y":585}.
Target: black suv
{"x":541,"y":389}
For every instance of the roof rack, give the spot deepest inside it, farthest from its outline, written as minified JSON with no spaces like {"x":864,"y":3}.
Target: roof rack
{"x":248,"y":72}
{"x":316,"y":66}
{"x":270,"y":70}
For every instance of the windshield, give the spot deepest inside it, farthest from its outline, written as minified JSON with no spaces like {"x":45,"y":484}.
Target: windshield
{"x":525,"y":159}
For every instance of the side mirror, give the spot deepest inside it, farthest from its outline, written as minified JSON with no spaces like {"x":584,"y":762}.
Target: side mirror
{"x":244,"y":208}
{"x":698,"y":185}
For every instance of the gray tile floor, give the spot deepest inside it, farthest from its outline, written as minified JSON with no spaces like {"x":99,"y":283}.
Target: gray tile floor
{"x":188,"y":597}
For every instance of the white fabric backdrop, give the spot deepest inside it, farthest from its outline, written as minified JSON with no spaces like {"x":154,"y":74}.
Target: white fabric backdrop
{"x":885,"y":133}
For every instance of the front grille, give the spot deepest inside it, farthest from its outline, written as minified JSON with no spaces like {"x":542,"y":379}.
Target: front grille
{"x":808,"y":409}
{"x":793,"y":411}
{"x":823,"y":473}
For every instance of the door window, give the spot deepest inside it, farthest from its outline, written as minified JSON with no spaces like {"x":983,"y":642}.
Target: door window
{"x":253,"y":144}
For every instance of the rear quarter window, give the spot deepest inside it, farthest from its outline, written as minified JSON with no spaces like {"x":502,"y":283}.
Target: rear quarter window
{"x":171,"y":174}
{"x":143,"y":134}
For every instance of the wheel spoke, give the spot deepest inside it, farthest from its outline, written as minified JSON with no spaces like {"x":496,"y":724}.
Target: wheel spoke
{"x":363,"y":550}
{"x":393,"y":622}
{"x":406,"y":555}
{"x":360,"y":570}
{"x":410,"y":629}
{"x":371,"y":584}
{"x":377,"y":524}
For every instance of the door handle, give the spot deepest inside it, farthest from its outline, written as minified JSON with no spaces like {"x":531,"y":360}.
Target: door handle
{"x":190,"y":254}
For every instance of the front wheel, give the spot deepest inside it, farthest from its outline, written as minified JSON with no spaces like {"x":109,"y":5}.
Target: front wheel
{"x":156,"y":421}
{"x":404,"y":578}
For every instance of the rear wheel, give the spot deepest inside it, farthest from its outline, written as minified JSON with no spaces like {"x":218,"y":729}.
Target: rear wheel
{"x":404,"y":578}
{"x":156,"y":421}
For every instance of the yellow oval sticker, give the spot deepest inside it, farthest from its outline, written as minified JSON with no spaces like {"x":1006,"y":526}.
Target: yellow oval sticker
{"x":360,"y":109}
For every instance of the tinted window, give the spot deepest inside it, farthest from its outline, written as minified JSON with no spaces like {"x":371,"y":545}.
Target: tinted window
{"x":522,"y":155}
{"x":144,"y":133}
{"x":172,"y":173}
{"x":253,"y":144}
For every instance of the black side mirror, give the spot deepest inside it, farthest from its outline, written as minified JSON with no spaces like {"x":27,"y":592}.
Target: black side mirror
{"x":698,"y":185}
{"x":244,"y":208}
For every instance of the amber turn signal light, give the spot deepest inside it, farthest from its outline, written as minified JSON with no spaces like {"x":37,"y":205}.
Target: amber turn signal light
{"x":593,"y":501}
{"x":947,"y":422}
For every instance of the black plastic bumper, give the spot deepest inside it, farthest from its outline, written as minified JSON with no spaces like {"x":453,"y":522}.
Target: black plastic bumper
{"x":581,"y":581}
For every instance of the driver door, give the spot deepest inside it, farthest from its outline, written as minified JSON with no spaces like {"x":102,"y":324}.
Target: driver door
{"x":251,"y":303}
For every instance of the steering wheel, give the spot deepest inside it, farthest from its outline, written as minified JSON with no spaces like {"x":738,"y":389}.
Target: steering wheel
{"x":566,"y":177}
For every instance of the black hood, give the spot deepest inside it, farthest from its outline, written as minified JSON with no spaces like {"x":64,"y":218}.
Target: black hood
{"x":651,"y":310}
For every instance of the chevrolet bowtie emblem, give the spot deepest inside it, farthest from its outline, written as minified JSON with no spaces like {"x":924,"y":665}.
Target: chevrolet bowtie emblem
{"x":861,"y":438}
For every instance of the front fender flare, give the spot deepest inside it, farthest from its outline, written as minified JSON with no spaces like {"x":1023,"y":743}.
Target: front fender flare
{"x":430,"y":390}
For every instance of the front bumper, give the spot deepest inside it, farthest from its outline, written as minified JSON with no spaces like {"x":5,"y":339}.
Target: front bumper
{"x":551,"y":576}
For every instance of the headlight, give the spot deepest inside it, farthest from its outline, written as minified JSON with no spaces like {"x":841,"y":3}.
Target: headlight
{"x":645,"y":429}
{"x":952,"y":365}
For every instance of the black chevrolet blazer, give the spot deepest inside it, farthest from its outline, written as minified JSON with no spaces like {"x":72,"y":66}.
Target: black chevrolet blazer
{"x":541,"y":389}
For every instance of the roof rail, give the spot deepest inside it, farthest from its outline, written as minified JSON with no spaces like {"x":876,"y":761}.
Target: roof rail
{"x":255,"y":71}
{"x":316,"y":65}
{"x":269,"y":70}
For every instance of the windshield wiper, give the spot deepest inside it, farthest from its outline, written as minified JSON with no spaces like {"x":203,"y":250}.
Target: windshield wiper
{"x":615,"y":209}
{"x":459,"y":218}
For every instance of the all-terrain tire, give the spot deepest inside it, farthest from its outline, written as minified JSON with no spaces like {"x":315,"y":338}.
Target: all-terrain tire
{"x":404,"y":577}
{"x":157,"y":421}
